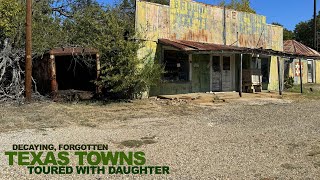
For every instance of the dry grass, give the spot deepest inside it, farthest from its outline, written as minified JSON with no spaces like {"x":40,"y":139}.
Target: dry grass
{"x":41,"y":115}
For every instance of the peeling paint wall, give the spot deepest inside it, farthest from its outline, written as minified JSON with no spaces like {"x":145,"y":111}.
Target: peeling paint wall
{"x":152,"y":22}
{"x":273,"y":74}
{"x":317,"y":67}
{"x":196,"y":22}
{"x":193,"y":21}
{"x":304,"y":71}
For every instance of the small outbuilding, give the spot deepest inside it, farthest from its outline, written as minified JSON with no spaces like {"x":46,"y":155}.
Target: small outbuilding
{"x":310,"y":66}
{"x":71,"y":68}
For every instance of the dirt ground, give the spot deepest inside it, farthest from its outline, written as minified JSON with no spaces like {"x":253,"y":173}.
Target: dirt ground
{"x":199,"y":136}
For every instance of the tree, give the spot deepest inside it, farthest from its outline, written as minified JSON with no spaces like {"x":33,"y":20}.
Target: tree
{"x":9,"y":17}
{"x":287,"y":34}
{"x":112,"y":31}
{"x":304,"y":32}
{"x":85,"y":23}
{"x":165,"y":2}
{"x":239,"y":5}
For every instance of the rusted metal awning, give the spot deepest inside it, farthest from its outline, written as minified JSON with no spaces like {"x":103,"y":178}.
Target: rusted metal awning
{"x":68,"y":51}
{"x":199,"y":47}
{"x":295,"y":47}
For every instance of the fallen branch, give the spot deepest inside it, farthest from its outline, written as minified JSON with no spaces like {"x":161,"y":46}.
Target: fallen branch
{"x":11,"y":74}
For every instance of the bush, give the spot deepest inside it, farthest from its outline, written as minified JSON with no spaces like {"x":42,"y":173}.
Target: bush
{"x":288,"y":82}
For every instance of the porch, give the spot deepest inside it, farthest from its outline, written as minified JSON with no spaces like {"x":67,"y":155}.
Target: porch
{"x":193,"y":67}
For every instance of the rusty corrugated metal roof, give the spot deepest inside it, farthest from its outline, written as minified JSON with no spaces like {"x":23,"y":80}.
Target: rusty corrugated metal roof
{"x":191,"y":46}
{"x":199,"y":46}
{"x":295,"y":47}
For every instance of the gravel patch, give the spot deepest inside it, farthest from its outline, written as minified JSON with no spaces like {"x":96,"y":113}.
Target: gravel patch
{"x":254,"y":139}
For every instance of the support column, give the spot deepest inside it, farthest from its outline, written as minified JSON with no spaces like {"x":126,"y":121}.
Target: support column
{"x":98,"y":65}
{"x":240,"y":76}
{"x":53,"y":76}
{"x":28,"y":53}
{"x":300,"y":67}
{"x":211,"y":72}
{"x":190,"y":67}
{"x":190,"y":72}
{"x":279,"y":76}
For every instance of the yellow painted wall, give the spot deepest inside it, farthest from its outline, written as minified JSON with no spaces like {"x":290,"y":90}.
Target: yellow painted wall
{"x":273,"y":76}
{"x":304,"y":71}
{"x":317,"y":65}
{"x":194,"y":21}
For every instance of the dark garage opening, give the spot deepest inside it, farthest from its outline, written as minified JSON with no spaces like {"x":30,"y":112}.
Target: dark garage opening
{"x":76,"y":73}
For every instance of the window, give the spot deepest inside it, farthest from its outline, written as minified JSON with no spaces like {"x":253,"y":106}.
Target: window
{"x":216,"y":63}
{"x":176,"y":66}
{"x":246,"y":61}
{"x":226,"y":63}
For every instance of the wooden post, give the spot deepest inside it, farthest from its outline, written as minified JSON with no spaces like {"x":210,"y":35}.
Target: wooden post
{"x":98,"y":88}
{"x":190,"y":71}
{"x":315,"y":71}
{"x":240,"y":76}
{"x":53,"y":76}
{"x":211,"y":72}
{"x":28,"y":63}
{"x":300,"y":67}
{"x":279,"y":76}
{"x":315,"y":43}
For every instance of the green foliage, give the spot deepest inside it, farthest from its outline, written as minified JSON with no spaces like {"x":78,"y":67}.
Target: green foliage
{"x":304,"y":32}
{"x":165,"y":2}
{"x":46,"y":30}
{"x":287,"y":34}
{"x":288,"y":82}
{"x":86,"y":23}
{"x":9,"y":17}
{"x":239,"y":5}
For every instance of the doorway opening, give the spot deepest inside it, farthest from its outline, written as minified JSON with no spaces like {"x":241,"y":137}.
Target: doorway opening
{"x":311,"y":71}
{"x":265,"y":72}
{"x":76,"y":73}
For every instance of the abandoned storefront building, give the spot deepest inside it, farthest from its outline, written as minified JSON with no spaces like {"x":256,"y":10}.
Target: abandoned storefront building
{"x":208,"y":48}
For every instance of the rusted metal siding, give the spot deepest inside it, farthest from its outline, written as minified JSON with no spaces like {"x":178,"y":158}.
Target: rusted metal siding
{"x":292,"y":46}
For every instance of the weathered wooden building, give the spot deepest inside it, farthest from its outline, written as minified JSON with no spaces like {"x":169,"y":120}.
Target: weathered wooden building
{"x":310,"y":67}
{"x":208,"y":48}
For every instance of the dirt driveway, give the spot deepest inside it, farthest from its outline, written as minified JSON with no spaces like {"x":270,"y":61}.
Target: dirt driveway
{"x":257,"y":138}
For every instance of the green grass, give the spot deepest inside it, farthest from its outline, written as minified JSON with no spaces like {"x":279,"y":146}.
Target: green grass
{"x":309,"y":90}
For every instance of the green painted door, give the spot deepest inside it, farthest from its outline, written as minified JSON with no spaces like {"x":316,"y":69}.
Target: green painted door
{"x":201,"y":73}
